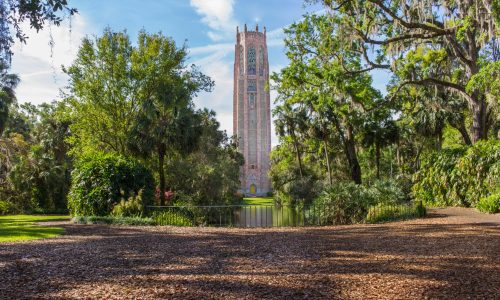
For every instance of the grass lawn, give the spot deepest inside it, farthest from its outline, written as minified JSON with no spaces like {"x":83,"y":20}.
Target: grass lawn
{"x":258,"y":201}
{"x":22,"y":228}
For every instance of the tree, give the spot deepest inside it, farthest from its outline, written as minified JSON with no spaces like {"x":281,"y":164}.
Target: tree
{"x":210,"y":174}
{"x":425,"y":43}
{"x":39,"y":176}
{"x":38,"y":13}
{"x":8,"y":83}
{"x":166,"y":121}
{"x":379,"y":131}
{"x":314,"y":80}
{"x":103,"y":93}
{"x":289,"y":121}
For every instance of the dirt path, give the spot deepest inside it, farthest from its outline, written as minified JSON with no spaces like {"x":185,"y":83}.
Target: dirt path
{"x":452,"y":254}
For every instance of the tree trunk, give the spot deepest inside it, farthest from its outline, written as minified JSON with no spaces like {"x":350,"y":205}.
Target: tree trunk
{"x":161,"y":172}
{"x":465,"y":135}
{"x":478,"y":121}
{"x":299,"y":159}
{"x":377,"y":159}
{"x":352,"y":158}
{"x":350,"y":151}
{"x":328,"y":163}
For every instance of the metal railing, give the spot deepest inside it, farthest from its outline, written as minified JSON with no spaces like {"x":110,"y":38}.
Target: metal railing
{"x":275,"y":215}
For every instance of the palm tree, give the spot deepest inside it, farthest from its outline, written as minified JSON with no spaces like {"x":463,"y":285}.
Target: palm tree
{"x":290,"y":121}
{"x":8,"y":82}
{"x":166,"y":121}
{"x":380,"y":133}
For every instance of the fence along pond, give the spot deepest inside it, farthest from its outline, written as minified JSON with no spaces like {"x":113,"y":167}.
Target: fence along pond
{"x":253,"y":215}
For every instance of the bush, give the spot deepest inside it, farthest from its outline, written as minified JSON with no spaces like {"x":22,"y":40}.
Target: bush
{"x":6,"y":207}
{"x":298,"y":191}
{"x":99,"y":181}
{"x":385,"y":212}
{"x":347,"y":203}
{"x":136,"y":221}
{"x":171,"y":218}
{"x":459,"y":177}
{"x":490,"y":204}
{"x":388,"y":192}
{"x":129,"y":208}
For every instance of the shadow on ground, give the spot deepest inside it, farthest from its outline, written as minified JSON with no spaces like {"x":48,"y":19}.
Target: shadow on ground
{"x":440,"y":257}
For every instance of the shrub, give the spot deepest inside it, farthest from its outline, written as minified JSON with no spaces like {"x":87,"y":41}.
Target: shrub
{"x":386,"y":212}
{"x":171,"y":218}
{"x":433,"y":182}
{"x":489,"y":204}
{"x":388,"y":191}
{"x":347,"y":203}
{"x":459,"y":177}
{"x":136,"y":221}
{"x":129,"y":208}
{"x":298,"y":191}
{"x":6,"y":207}
{"x":99,"y":181}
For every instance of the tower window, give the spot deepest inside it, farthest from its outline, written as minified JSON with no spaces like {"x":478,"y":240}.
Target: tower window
{"x":251,"y":100}
{"x":261,"y":61}
{"x":242,"y":68}
{"x":251,"y":61}
{"x":252,"y":85}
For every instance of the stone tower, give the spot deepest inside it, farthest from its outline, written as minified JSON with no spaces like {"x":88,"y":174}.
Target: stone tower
{"x":251,"y":110}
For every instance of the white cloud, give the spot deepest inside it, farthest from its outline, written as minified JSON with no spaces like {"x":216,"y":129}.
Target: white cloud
{"x":218,"y":16}
{"x":210,"y":49}
{"x":39,"y":65}
{"x":218,"y":65}
{"x":276,"y":37}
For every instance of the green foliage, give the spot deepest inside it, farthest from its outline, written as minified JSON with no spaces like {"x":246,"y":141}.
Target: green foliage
{"x":489,"y":204}
{"x":347,"y":203}
{"x":38,"y":14}
{"x":102,"y":98}
{"x":459,"y":177}
{"x":43,"y":176}
{"x":291,"y":185}
{"x":99,"y":181}
{"x":433,"y":184}
{"x":210,"y":174}
{"x":6,"y":207}
{"x":114,"y":220}
{"x":387,"y":212}
{"x":129,"y":208}
{"x":8,"y":83}
{"x":389,"y":191}
{"x":174,"y":218}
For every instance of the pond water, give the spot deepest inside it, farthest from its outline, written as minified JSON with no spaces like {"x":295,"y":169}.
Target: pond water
{"x":267,"y":216}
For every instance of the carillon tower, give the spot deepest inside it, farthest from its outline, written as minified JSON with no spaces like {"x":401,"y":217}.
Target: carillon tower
{"x":251,"y":110}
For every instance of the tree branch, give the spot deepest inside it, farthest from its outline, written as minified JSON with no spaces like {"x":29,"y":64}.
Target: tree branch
{"x":411,"y":25}
{"x":434,"y":81}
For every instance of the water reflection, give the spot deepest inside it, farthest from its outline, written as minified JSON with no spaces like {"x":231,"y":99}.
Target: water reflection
{"x":268,"y":216}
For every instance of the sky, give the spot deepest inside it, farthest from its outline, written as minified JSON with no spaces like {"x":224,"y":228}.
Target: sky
{"x":207,"y":27}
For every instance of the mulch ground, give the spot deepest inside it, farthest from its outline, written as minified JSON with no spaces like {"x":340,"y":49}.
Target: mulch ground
{"x":453,"y":254}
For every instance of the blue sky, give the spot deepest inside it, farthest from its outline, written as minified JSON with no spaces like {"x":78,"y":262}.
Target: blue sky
{"x":208,"y":27}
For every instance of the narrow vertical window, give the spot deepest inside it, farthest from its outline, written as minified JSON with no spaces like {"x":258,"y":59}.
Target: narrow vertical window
{"x":251,"y":61}
{"x":251,"y":100}
{"x":261,"y":61}
{"x":242,"y":56}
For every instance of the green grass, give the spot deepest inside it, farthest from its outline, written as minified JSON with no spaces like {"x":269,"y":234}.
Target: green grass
{"x":258,"y":201}
{"x":22,"y":228}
